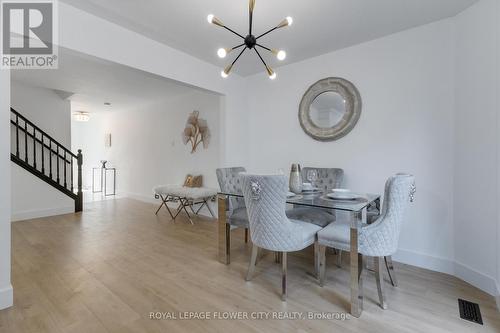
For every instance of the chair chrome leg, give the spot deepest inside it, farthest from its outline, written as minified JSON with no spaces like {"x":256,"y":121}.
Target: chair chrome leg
{"x":339,"y":258}
{"x":322,"y":264}
{"x":228,"y":241}
{"x":316,"y":259}
{"x":284,"y":292}
{"x":261,"y":253}
{"x":277,"y":258}
{"x":253,"y":262}
{"x":380,"y":282}
{"x":390,"y":269}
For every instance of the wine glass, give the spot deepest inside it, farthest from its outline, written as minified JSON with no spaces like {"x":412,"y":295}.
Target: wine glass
{"x":312,"y":176}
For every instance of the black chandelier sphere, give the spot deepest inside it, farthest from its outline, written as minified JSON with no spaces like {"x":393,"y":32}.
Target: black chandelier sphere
{"x":250,"y":42}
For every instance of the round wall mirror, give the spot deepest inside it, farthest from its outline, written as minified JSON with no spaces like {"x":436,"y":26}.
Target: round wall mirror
{"x":330,"y":109}
{"x":327,"y":109}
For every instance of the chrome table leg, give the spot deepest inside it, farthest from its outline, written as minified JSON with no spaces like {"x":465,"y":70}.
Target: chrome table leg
{"x":223,"y":232}
{"x":356,"y":267}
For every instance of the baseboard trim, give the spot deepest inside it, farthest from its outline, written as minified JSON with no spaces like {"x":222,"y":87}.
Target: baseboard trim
{"x":34,"y":214}
{"x":443,"y":265}
{"x":475,"y":278}
{"x":150,"y":199}
{"x":6,"y":297}
{"x":497,"y":298}
{"x":432,"y":263}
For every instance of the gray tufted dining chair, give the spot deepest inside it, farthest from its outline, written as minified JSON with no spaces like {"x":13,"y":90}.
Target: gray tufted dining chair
{"x":230,"y":182}
{"x":379,"y":239}
{"x":328,"y":179}
{"x":270,"y":228}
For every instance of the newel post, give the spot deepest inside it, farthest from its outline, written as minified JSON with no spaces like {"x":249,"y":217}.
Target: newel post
{"x":79,"y":200}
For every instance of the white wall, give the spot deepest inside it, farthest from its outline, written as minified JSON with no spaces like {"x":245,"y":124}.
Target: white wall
{"x":44,"y":108}
{"x":31,"y":197}
{"x":6,"y":292}
{"x":476,"y":147}
{"x":90,"y":138}
{"x":147,"y":149}
{"x":406,"y":84}
{"x":498,"y":161}
{"x":86,"y":33}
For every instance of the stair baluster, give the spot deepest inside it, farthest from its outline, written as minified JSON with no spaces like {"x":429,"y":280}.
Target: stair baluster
{"x":43,"y":154}
{"x":17,"y":136}
{"x":62,"y":155}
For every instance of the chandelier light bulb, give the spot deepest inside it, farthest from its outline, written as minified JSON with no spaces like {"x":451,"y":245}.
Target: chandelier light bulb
{"x":222,"y":53}
{"x":271,"y":73}
{"x":289,"y":19}
{"x":281,"y":55}
{"x":226,"y":71}
{"x":210,"y":18}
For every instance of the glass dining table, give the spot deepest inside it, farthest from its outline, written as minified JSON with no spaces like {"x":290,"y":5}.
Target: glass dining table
{"x":357,"y":207}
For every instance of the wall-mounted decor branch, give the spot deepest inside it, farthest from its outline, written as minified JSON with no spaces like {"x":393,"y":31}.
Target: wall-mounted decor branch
{"x":196,"y":132}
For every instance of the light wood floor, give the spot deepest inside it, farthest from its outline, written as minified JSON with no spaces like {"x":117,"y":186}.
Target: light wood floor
{"x":107,"y":269}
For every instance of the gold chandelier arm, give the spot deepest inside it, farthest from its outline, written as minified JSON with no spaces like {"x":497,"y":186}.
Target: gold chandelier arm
{"x":286,"y":22}
{"x":251,"y":6}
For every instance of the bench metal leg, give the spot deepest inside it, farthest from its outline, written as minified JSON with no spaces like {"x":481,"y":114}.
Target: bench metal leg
{"x":164,"y":202}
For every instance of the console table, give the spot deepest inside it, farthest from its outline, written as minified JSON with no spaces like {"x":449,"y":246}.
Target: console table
{"x":104,"y":181}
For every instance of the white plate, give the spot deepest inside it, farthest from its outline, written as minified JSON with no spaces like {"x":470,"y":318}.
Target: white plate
{"x":343,"y":195}
{"x":340,"y":190}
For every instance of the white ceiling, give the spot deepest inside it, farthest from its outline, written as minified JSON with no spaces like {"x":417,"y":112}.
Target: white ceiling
{"x":320,"y":26}
{"x":89,"y":82}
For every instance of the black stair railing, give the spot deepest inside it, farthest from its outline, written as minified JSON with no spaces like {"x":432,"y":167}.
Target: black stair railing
{"x":37,"y":152}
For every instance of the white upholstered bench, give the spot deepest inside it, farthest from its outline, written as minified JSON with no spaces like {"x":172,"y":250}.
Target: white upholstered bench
{"x":186,"y":196}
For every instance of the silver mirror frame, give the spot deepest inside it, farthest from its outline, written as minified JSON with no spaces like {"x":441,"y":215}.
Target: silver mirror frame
{"x":353,"y":109}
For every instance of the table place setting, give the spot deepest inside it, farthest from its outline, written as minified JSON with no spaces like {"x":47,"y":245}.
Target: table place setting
{"x":342,"y":194}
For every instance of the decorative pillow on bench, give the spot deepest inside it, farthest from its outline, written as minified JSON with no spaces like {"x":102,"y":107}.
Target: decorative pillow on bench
{"x":193,"y":181}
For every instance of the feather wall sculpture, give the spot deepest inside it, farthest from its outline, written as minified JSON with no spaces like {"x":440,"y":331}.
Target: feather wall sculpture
{"x":196,"y":132}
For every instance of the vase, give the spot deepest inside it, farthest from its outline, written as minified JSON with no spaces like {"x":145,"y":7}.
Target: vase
{"x":295,"y":179}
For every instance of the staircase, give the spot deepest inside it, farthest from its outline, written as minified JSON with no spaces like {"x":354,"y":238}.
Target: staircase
{"x":41,"y":155}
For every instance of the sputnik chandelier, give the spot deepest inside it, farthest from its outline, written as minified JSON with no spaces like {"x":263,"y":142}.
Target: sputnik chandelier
{"x":250,"y":42}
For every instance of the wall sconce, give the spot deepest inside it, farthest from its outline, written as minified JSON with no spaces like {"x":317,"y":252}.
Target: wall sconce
{"x":107,"y":140}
